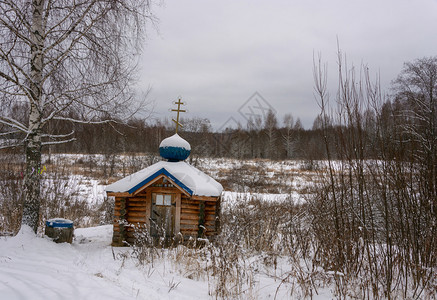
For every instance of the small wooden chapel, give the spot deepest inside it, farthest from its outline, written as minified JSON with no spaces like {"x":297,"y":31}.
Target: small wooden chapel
{"x":169,"y":198}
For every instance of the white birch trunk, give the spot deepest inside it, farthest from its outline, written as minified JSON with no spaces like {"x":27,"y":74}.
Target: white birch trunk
{"x":32,"y":180}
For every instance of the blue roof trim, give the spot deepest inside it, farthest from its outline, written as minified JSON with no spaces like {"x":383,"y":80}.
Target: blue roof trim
{"x":162,"y":171}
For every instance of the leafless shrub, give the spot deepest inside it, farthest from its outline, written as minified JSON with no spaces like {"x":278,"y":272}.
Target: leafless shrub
{"x":231,"y":276}
{"x":61,"y":199}
{"x":11,"y":196}
{"x":10,"y":205}
{"x":143,"y":249}
{"x":373,"y":220}
{"x":107,"y":210}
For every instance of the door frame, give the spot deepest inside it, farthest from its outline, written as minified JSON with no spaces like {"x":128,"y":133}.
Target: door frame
{"x":172,"y":208}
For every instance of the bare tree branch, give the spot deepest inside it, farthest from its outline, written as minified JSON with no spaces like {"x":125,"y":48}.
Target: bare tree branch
{"x":66,"y":60}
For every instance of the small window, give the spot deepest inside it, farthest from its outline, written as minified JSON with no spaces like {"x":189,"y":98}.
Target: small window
{"x":167,"y":199}
{"x":159,"y":199}
{"x":163,"y":199}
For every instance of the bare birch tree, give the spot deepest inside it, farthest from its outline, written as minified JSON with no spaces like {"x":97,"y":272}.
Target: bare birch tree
{"x":416,"y":90}
{"x":416,"y":87}
{"x":65,"y":60}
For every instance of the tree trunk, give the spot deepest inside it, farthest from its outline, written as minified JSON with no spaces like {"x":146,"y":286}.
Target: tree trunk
{"x":32,"y":180}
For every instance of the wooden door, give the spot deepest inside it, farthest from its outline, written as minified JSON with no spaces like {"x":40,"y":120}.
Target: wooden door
{"x":163,"y":215}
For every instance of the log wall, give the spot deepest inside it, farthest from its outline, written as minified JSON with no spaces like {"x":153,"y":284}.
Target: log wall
{"x":190,"y":216}
{"x":190,"y":212}
{"x":129,"y":212}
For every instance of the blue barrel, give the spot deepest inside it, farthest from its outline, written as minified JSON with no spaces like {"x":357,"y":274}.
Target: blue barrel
{"x":58,"y":223}
{"x":60,"y":230}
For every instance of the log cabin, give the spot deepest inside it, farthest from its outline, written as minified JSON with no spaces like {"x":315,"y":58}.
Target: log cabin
{"x":170,"y":198}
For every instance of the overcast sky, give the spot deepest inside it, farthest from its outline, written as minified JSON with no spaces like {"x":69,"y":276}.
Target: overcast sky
{"x":217,"y":54}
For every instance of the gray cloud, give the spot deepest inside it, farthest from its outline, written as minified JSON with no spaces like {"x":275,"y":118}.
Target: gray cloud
{"x":216,"y":54}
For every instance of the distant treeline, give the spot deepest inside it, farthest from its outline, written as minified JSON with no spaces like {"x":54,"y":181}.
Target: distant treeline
{"x":265,"y":138}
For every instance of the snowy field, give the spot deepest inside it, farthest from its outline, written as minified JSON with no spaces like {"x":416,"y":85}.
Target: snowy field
{"x":34,"y":267}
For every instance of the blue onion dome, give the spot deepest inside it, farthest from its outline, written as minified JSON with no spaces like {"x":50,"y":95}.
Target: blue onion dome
{"x":174,"y":148}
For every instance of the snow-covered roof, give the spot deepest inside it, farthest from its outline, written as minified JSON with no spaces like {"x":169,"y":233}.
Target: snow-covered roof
{"x":189,"y":178}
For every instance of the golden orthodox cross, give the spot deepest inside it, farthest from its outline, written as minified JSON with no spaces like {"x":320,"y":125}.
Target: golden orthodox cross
{"x":177,"y":117}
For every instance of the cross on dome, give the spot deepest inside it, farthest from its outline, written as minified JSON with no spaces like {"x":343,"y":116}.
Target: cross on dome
{"x":175,"y":148}
{"x":179,"y":103}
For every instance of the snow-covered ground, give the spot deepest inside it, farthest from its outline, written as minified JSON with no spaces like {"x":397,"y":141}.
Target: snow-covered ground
{"x":34,"y":267}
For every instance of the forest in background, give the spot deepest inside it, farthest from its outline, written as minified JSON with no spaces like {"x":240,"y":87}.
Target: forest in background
{"x":265,"y":138}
